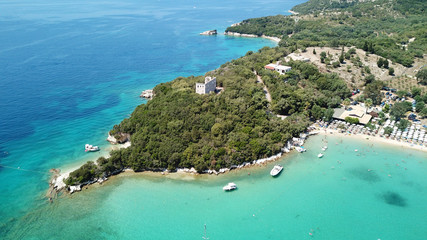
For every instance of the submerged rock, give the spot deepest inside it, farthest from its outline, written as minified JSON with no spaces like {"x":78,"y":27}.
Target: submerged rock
{"x":365,"y":175}
{"x":394,"y":199}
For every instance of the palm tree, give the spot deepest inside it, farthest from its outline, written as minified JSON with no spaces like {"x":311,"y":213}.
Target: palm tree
{"x":346,"y":103}
{"x":368,"y":104}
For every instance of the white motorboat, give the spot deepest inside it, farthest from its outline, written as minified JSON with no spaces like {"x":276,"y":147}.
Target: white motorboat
{"x":300,"y":149}
{"x":91,"y":148}
{"x":229,"y":187}
{"x":324,"y":148}
{"x":320,"y":155}
{"x":276,"y":170}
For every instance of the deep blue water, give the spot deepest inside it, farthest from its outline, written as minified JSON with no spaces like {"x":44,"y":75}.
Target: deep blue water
{"x":70,"y":70}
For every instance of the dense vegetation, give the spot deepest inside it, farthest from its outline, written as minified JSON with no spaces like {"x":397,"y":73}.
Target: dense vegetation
{"x":422,"y":76}
{"x":180,"y":128}
{"x":383,"y":27}
{"x":304,"y":89}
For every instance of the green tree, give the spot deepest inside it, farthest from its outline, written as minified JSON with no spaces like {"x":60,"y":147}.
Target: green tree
{"x":401,"y":93}
{"x":388,"y":130}
{"x":385,"y":63}
{"x":346,"y":102}
{"x":365,"y":47}
{"x":416,"y":92}
{"x":352,"y":120}
{"x":373,"y":91}
{"x":380,"y":63}
{"x":386,"y":108}
{"x":369,"y":79}
{"x":367,"y":69}
{"x":399,"y":109}
{"x":323,"y":54}
{"x":351,"y":51}
{"x":368,"y":104}
{"x":334,"y":42}
{"x":403,"y":124}
{"x":422,"y":76}
{"x":342,"y":55}
{"x":420,"y":106}
{"x":371,"y":48}
{"x":317,"y":112}
{"x":314,"y":51}
{"x":391,"y":71}
{"x":329,"y":113}
{"x":336,"y":64}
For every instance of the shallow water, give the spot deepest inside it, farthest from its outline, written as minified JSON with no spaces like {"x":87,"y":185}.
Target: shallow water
{"x":71,"y":70}
{"x":324,"y":197}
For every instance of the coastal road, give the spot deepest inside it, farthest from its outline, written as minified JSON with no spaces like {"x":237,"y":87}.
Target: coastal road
{"x":267,"y":93}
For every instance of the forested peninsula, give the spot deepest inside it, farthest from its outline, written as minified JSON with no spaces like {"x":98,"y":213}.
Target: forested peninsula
{"x":179,"y":128}
{"x":382,"y":27}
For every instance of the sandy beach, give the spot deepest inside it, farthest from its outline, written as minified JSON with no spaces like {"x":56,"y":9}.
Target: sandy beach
{"x":374,"y":139}
{"x":57,"y":180}
{"x":276,"y":39}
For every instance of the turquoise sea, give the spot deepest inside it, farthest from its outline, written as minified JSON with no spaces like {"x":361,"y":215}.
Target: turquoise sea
{"x":70,"y":70}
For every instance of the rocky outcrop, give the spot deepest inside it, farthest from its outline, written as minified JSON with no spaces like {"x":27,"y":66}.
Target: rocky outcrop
{"x":122,"y":138}
{"x":57,"y":180}
{"x":75,"y":188}
{"x":240,"y":34}
{"x":148,"y":94}
{"x":209,"y":32}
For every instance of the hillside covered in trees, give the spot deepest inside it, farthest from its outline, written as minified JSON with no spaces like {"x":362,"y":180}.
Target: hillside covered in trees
{"x":393,"y":29}
{"x":179,"y":128}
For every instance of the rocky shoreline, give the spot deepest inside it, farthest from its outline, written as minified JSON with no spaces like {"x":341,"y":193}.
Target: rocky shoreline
{"x":236,"y":34}
{"x":209,"y":32}
{"x":57,"y":185}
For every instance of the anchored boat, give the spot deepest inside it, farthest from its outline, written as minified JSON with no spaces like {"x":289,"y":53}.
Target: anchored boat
{"x":90,"y":148}
{"x":276,"y":170}
{"x":300,"y":149}
{"x":229,"y":187}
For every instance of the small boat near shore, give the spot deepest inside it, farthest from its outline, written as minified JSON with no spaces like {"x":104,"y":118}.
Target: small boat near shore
{"x":300,"y":149}
{"x":276,"y":170}
{"x":324,"y":148}
{"x":229,"y":187}
{"x":91,"y":148}
{"x":320,"y":155}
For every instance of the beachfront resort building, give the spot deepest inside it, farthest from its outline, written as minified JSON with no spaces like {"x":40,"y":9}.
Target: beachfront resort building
{"x":207,"y":87}
{"x":357,"y":111}
{"x":278,"y":68}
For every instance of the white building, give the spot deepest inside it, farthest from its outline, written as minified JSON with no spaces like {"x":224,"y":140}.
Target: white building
{"x":278,"y":68}
{"x":207,"y":87}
